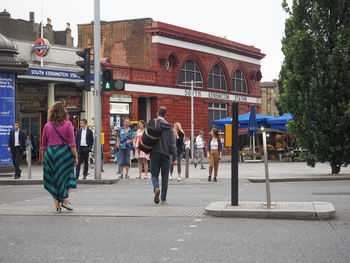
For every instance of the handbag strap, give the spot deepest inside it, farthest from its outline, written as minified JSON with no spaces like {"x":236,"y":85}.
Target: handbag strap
{"x":59,"y":135}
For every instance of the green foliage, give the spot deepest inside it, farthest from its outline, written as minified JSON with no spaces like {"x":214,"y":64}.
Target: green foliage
{"x":248,"y":155}
{"x":258,"y":156}
{"x":315,"y":78}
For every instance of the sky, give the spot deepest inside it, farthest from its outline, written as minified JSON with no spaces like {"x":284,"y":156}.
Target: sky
{"x":258,"y":23}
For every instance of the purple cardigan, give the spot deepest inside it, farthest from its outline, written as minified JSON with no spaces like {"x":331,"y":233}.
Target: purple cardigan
{"x":50,"y":137}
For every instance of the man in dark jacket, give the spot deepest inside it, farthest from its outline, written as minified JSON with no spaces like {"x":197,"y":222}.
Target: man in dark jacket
{"x":17,"y":147}
{"x":84,"y":142}
{"x":160,"y":156}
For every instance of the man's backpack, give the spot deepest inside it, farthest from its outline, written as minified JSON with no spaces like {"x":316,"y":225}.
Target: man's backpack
{"x":151,"y":135}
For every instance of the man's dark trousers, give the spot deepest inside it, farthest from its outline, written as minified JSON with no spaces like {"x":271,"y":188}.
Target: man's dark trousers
{"x":83,"y":158}
{"x":160,"y":162}
{"x":16,"y":159}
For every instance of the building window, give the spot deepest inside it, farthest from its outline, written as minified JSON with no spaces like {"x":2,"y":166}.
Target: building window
{"x":216,"y":111}
{"x":217,"y":78}
{"x":239,"y":83}
{"x":190,"y":71}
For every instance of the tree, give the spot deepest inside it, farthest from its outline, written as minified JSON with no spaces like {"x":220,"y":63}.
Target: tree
{"x":315,"y":78}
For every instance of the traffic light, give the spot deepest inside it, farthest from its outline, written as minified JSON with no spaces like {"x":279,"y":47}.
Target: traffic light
{"x":119,"y":85}
{"x":107,"y":79}
{"x":108,"y":83}
{"x":85,"y":64}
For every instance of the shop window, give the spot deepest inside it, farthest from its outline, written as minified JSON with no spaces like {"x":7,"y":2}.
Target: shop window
{"x":239,"y":83}
{"x":216,"y":111}
{"x":217,"y":78}
{"x":190,"y":71}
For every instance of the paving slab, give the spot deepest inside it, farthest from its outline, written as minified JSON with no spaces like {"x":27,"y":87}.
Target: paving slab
{"x":104,"y":211}
{"x":278,"y":210}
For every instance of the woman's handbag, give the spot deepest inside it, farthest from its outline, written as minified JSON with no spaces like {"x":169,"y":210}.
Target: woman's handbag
{"x":151,"y":135}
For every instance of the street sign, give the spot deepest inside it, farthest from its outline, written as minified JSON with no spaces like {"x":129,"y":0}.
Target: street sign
{"x":41,"y":47}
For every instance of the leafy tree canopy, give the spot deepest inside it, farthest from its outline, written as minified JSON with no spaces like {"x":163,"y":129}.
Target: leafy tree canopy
{"x":315,"y":78}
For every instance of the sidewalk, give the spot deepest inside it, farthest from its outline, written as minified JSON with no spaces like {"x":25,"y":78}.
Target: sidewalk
{"x":252,"y":172}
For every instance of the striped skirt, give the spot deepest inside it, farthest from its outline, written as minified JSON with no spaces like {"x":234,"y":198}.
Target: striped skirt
{"x":59,"y":171}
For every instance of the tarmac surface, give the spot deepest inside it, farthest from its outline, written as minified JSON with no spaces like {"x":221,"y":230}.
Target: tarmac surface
{"x":248,"y":172}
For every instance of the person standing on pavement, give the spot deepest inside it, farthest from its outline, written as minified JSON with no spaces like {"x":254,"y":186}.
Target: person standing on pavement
{"x":179,"y":137}
{"x":200,"y":144}
{"x":188,"y":145}
{"x":84,"y":142}
{"x":160,"y":155}
{"x":117,"y":153}
{"x":125,"y":139}
{"x":141,"y":156}
{"x":17,"y":147}
{"x":214,"y":153}
{"x":60,"y":156}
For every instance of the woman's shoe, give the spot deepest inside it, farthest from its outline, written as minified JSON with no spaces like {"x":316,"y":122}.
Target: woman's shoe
{"x":58,"y":210}
{"x":209,"y":178}
{"x":145,"y":177}
{"x":215,"y":179}
{"x":138,"y":177}
{"x":170,"y":178}
{"x":67,"y":206}
{"x":179,"y":179}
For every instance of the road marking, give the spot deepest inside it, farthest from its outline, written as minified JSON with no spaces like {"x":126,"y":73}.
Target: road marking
{"x":193,"y":225}
{"x":27,"y":200}
{"x":188,"y":233}
{"x":198,"y":220}
{"x":174,"y":249}
{"x":181,"y":240}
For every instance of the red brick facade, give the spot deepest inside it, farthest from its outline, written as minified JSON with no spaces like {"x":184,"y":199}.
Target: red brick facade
{"x":160,"y":43}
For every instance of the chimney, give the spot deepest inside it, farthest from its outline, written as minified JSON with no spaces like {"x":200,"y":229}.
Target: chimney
{"x":68,"y":26}
{"x":48,"y":21}
{"x":5,"y":14}
{"x":31,"y":17}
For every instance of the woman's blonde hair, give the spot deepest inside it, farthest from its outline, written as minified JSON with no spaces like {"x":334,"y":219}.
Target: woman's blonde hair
{"x":58,"y":113}
{"x":179,"y":126}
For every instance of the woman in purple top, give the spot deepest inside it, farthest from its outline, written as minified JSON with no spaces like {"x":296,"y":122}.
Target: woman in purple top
{"x":60,"y":156}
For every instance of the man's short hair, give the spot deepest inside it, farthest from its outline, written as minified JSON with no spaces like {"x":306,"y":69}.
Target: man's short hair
{"x":85,"y":121}
{"x":162,"y":111}
{"x":17,"y":122}
{"x":126,"y":118}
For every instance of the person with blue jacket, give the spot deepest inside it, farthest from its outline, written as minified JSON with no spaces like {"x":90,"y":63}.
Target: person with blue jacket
{"x":214,"y":153}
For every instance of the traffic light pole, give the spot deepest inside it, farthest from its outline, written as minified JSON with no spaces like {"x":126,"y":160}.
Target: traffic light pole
{"x":97,"y":89}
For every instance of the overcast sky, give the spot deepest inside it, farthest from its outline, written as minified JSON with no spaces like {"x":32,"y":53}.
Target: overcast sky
{"x":259,"y":23}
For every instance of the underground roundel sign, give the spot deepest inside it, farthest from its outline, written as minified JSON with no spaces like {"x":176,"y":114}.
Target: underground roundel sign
{"x":41,"y":47}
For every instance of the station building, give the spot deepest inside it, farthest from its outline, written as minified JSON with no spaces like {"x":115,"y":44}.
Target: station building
{"x":158,"y":62}
{"x":43,"y":83}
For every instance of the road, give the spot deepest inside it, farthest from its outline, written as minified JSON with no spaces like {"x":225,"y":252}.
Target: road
{"x":181,"y":238}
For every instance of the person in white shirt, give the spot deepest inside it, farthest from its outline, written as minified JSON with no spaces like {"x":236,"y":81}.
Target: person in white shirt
{"x":200,"y":143}
{"x":84,"y":142}
{"x":17,"y":147}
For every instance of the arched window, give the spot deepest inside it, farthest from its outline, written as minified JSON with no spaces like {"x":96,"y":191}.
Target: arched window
{"x":190,"y":71}
{"x":239,"y":84}
{"x":217,"y":78}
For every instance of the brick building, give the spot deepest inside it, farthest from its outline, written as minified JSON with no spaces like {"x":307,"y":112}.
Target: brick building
{"x":29,"y":30}
{"x":269,"y":95}
{"x":158,"y":61}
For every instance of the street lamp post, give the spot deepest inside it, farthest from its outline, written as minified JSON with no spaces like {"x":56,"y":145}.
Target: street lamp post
{"x":192,"y":117}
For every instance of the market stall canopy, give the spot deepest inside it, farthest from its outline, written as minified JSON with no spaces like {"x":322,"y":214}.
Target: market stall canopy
{"x":279,"y":123}
{"x":243,"y":120}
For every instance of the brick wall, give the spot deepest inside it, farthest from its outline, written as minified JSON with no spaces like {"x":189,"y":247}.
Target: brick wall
{"x":126,"y":43}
